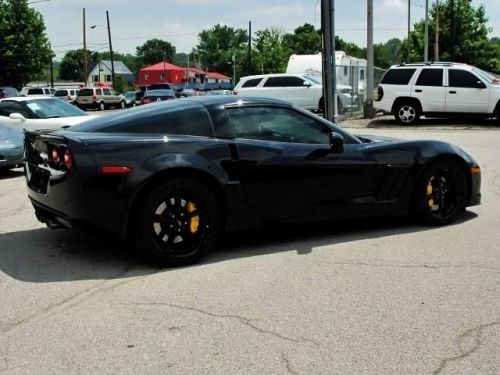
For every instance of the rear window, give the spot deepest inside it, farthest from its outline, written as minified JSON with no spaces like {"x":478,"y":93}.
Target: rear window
{"x":398,"y":76}
{"x":174,"y":117}
{"x":35,"y":92}
{"x":61,"y":93}
{"x":86,"y":92}
{"x":251,"y":82}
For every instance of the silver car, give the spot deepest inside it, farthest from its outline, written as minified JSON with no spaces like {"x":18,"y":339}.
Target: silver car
{"x":11,"y":146}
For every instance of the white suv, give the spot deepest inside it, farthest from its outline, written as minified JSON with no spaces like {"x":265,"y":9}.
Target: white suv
{"x":301,"y":90}
{"x":438,"y":90}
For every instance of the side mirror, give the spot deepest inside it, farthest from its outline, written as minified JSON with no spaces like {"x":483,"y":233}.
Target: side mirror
{"x":306,"y":83}
{"x":17,"y":116}
{"x":336,"y":143}
{"x":481,"y":85}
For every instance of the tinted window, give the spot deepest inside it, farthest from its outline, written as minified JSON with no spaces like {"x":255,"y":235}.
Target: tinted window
{"x":277,"y":124}
{"x":86,"y":92}
{"x":461,"y":78}
{"x":106,"y":91}
{"x":293,"y":82}
{"x":61,"y":93}
{"x":430,"y":77}
{"x":252,"y":82}
{"x":275,"y":82}
{"x":159,"y":93}
{"x":98,"y":91}
{"x":9,"y":106}
{"x":35,"y":92}
{"x":169,"y":118}
{"x":398,"y":76}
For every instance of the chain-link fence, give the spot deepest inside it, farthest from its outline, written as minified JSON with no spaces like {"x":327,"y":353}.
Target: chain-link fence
{"x":351,"y":87}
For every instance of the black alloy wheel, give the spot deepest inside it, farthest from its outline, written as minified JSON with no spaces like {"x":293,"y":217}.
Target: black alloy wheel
{"x":441,"y":193}
{"x":407,"y":113}
{"x":179,"y":222}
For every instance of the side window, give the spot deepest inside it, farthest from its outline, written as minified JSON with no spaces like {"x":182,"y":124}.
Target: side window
{"x":252,"y":82}
{"x":98,"y":91}
{"x":398,"y":76}
{"x":293,"y":82}
{"x":35,"y":92}
{"x":190,"y":120}
{"x":462,"y":78}
{"x":430,"y":77}
{"x":275,"y":82}
{"x":106,"y":91}
{"x":8,"y":106}
{"x":277,"y":124}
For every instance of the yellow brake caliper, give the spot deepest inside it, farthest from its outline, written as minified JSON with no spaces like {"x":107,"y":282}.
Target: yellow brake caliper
{"x":430,"y":202}
{"x":194,"y":222}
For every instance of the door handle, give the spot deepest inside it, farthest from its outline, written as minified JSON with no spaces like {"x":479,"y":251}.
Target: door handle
{"x":418,"y":90}
{"x":452,"y":92}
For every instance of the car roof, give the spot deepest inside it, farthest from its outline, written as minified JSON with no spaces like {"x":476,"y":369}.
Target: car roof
{"x":210,"y":100}
{"x":25,"y":98}
{"x":272,"y":75}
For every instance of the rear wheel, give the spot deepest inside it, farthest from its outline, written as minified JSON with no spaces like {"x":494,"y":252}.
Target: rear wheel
{"x":123,"y":104}
{"x":178,"y":223}
{"x":441,"y":193}
{"x":102,"y":106}
{"x":407,"y":112}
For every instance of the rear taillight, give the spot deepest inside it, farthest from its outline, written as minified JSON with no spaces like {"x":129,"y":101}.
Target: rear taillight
{"x":380,"y":93}
{"x":61,"y":158}
{"x":68,"y":159}
{"x":147,"y":100}
{"x":68,"y":97}
{"x":94,"y":98}
{"x":235,"y":92}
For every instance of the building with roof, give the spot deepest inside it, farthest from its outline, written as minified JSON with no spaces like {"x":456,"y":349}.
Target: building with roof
{"x":100,"y":72}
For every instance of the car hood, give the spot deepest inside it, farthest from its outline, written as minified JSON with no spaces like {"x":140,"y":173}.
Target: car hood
{"x":378,"y":139}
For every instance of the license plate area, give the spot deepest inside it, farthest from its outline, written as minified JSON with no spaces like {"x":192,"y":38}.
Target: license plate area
{"x":38,"y":179}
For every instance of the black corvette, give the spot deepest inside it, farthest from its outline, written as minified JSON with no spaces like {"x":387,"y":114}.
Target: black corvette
{"x":171,"y":176}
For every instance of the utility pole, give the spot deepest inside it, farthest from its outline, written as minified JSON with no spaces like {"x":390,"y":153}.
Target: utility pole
{"x":249,"y":48}
{"x":111,"y":52}
{"x":85,"y":67}
{"x":408,"y":38}
{"x":436,"y":47}
{"x":426,"y":42}
{"x":453,"y":30}
{"x":369,"y":111}
{"x":328,"y":63}
{"x":51,"y":73}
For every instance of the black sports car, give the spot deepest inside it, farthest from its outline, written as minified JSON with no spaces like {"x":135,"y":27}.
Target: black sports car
{"x":171,"y":176}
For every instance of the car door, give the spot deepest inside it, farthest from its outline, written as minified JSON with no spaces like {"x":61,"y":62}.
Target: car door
{"x":108,"y":97}
{"x":286,"y":170}
{"x":429,"y":89}
{"x":296,"y":92}
{"x":273,"y":87}
{"x":8,"y":107}
{"x":466,"y":93}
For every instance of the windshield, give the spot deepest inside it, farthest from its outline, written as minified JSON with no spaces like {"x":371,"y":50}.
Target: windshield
{"x":490,"y":77}
{"x":312,"y":79}
{"x":130,"y":95}
{"x":53,"y":108}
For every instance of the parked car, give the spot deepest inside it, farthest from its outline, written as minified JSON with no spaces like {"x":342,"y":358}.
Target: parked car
{"x":11,"y":146}
{"x":151,"y":96}
{"x":68,"y":95}
{"x":184,"y":93}
{"x":99,"y":98}
{"x":42,"y":112}
{"x":219,"y":92}
{"x":162,"y":86}
{"x":298,"y":89}
{"x":169,"y":177}
{"x":6,"y":92}
{"x":440,"y":89}
{"x":46,"y":91}
{"x":130,"y":98}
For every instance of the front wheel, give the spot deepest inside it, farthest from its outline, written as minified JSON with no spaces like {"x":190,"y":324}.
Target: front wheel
{"x":441,"y":193}
{"x":102,"y":106}
{"x":407,"y":113}
{"x":178,"y":223}
{"x":122,"y":104}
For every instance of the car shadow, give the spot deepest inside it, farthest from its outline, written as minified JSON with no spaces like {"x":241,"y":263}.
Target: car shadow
{"x":6,"y":174}
{"x":437,"y":122}
{"x":42,"y":255}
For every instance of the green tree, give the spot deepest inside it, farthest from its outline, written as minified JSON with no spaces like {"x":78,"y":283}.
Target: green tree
{"x":24,"y":48}
{"x":270,"y":55}
{"x":305,"y":40}
{"x":471,"y":43}
{"x":72,"y":66}
{"x":216,"y":47}
{"x":154,"y":51}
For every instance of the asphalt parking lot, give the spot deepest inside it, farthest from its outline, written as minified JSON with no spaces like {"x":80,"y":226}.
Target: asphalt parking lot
{"x":356,"y":297}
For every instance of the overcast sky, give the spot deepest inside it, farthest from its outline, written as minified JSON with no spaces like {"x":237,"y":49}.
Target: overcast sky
{"x":180,"y":21}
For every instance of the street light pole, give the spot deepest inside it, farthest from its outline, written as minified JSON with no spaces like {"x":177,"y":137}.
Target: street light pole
{"x":111,"y":52}
{"x":369,"y":110}
{"x":426,"y":42}
{"x":436,"y":48}
{"x":85,"y":67}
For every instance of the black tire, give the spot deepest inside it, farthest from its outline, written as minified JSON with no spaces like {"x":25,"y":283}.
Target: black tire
{"x":407,"y":112}
{"x":441,"y":193}
{"x":123,"y":104}
{"x":101,"y":106}
{"x":160,"y":232}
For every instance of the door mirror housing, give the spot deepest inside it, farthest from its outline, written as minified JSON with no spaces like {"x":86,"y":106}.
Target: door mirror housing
{"x":336,"y":143}
{"x":481,"y":85}
{"x":306,"y":84}
{"x":17,"y":116}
